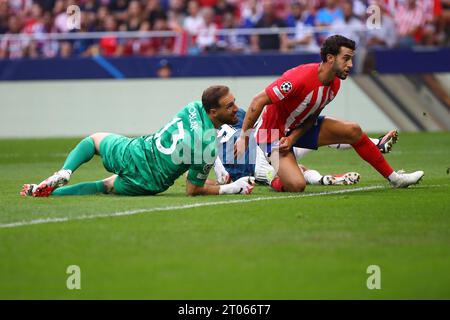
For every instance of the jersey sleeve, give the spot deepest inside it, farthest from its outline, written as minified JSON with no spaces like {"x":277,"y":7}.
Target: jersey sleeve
{"x":283,"y":87}
{"x":198,"y":173}
{"x":202,"y":163}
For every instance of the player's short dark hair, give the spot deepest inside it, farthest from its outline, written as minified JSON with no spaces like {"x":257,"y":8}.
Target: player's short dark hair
{"x":212,"y":95}
{"x":333,"y":44}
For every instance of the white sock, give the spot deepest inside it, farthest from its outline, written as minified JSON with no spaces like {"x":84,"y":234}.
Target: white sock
{"x":393,"y":176}
{"x":346,"y":146}
{"x":312,"y":177}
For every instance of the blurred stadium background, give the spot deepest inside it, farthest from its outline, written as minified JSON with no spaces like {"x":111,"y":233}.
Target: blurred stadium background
{"x":401,"y":76}
{"x":129,"y":66}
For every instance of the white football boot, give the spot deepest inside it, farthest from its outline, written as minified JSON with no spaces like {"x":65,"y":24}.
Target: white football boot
{"x":46,"y":187}
{"x":404,"y":180}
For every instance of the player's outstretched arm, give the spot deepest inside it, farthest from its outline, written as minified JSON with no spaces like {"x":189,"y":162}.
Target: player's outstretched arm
{"x":254,"y":111}
{"x":241,"y":186}
{"x":206,"y":189}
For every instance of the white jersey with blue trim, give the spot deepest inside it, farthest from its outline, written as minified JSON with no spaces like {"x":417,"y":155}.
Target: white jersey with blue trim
{"x":226,"y":137}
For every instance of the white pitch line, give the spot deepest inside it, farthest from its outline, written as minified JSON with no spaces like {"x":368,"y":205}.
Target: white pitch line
{"x":174,"y":208}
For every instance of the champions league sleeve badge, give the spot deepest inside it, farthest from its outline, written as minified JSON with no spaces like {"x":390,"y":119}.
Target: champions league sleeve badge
{"x":286,"y":87}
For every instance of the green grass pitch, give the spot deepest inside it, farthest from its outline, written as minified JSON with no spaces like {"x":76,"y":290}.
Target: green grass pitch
{"x":310,"y":246}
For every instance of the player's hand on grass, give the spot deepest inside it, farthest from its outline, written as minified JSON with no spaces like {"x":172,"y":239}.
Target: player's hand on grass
{"x":243,"y":185}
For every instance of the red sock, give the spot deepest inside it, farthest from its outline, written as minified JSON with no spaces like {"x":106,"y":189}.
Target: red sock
{"x":370,"y":152}
{"x":277,"y":184}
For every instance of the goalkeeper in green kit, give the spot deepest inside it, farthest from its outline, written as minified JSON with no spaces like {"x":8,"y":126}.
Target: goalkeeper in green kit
{"x":150,"y":164}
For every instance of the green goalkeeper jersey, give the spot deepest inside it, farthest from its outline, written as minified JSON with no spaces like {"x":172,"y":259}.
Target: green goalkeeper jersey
{"x":188,"y":142}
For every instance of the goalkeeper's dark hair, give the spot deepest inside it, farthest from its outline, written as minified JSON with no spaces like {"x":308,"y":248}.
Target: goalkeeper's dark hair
{"x":212,"y":95}
{"x":333,"y":44}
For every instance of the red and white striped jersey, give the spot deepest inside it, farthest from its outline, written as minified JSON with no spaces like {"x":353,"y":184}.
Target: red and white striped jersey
{"x":296,"y":95}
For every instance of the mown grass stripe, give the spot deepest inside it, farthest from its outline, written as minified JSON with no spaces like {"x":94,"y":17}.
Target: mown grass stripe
{"x":181,"y":207}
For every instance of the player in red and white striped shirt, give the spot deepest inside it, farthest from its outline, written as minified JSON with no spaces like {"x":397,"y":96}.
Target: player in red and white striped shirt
{"x":291,"y":118}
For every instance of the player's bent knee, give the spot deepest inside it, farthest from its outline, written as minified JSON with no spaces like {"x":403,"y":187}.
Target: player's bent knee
{"x":298,"y":186}
{"x":97,"y":138}
{"x":96,"y":135}
{"x":354,"y":132}
{"x":108,"y":188}
{"x":108,"y":183}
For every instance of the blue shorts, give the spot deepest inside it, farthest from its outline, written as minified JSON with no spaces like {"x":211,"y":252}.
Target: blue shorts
{"x":307,"y":141}
{"x":311,"y":137}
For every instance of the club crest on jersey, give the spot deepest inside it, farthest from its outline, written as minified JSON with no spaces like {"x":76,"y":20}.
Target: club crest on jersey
{"x":207,"y":168}
{"x":286,"y":86}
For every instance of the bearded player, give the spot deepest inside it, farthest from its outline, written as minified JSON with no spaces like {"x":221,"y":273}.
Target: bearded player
{"x":255,"y":162}
{"x":150,"y":164}
{"x":292,"y":105}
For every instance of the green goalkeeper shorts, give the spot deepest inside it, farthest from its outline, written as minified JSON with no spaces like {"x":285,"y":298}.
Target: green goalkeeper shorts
{"x":116,"y":152}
